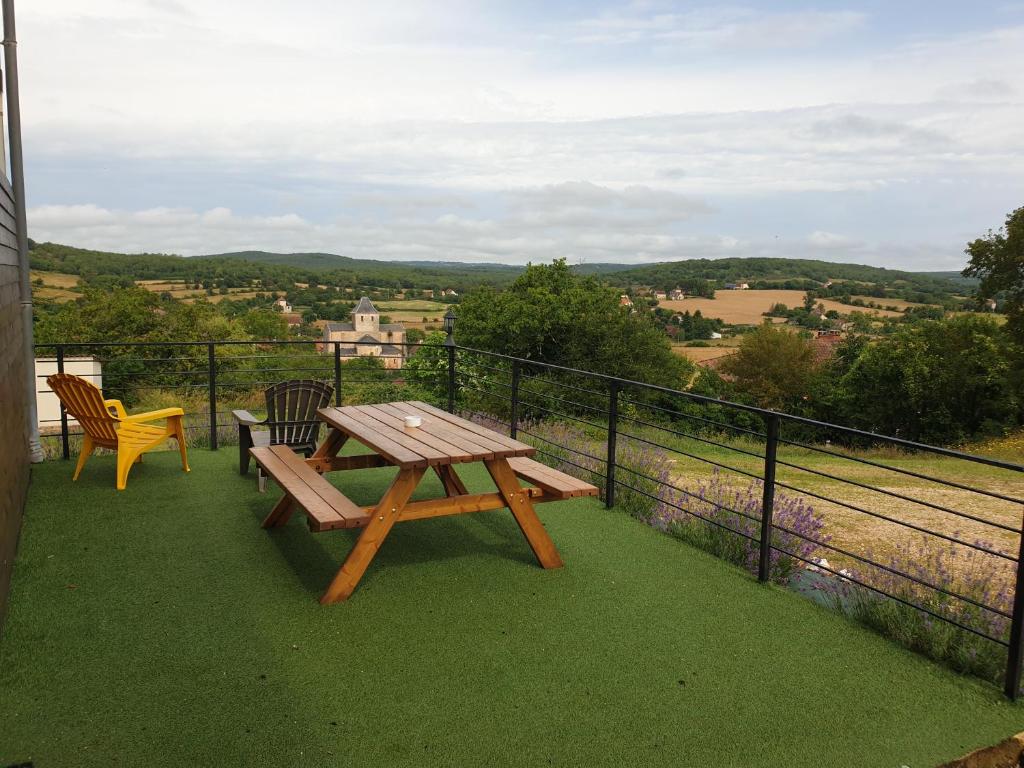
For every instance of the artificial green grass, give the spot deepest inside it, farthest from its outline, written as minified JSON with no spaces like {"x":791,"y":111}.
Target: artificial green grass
{"x":162,"y":626}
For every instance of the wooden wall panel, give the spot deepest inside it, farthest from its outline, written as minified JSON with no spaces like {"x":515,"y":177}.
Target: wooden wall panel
{"x":8,"y":237}
{"x":14,"y":459}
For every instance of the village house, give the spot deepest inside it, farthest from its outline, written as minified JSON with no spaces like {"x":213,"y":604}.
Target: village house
{"x":677,"y":294}
{"x":366,"y":337}
{"x":625,"y":301}
{"x":823,"y":346}
{"x":660,"y":295}
{"x":282,"y":305}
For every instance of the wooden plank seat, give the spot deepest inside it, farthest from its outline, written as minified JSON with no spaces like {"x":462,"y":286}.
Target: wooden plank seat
{"x":326,"y":506}
{"x":551,"y":481}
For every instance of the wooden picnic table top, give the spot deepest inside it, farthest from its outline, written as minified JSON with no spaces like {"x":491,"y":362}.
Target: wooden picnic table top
{"x":441,"y":439}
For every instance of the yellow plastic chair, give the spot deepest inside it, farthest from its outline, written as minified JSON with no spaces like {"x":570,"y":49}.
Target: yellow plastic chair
{"x":106,"y":424}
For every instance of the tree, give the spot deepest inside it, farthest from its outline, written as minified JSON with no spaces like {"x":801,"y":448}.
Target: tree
{"x":118,"y":315}
{"x":774,"y":367}
{"x":265,"y":324}
{"x":428,"y":365}
{"x":998,"y":261}
{"x":939,"y":381}
{"x":549,"y":314}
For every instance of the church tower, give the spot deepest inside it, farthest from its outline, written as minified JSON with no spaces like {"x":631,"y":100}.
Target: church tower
{"x":365,"y":317}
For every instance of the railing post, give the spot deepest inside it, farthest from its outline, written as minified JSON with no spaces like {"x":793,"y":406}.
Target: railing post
{"x":211,"y":349}
{"x":451,"y":378}
{"x":513,"y":419}
{"x":337,"y":373}
{"x":1015,"y":652}
{"x":613,"y":427}
{"x":771,"y":448}
{"x":65,"y":443}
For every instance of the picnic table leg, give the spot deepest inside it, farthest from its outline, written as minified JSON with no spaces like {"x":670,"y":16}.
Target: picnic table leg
{"x":281,"y":513}
{"x":329,"y":448}
{"x":518,"y":501}
{"x":383,"y":518}
{"x":453,"y":485}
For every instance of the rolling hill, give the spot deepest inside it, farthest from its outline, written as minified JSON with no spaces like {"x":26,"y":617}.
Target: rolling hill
{"x":341,"y":270}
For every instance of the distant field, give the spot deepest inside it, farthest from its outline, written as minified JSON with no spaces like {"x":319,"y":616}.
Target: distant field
{"x":900,"y":304}
{"x":748,"y":307}
{"x":56,"y":286}
{"x":847,"y":309}
{"x":717,"y":348}
{"x":56,"y":279}
{"x":423,"y":306}
{"x":217,"y":297}
{"x":178,"y":289}
{"x":744,"y":307}
{"x":412,"y":312}
{"x":701,"y":354}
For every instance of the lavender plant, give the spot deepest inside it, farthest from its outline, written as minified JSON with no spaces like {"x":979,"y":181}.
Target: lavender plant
{"x":710,"y":514}
{"x":726,"y":521}
{"x":971,"y":573}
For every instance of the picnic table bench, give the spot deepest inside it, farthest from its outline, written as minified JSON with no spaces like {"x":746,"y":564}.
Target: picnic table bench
{"x":440,"y":442}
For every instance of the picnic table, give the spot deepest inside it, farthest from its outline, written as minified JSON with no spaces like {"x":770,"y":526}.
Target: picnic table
{"x":442,"y":441}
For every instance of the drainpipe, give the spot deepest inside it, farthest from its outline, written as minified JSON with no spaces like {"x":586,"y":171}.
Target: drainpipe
{"x":10,"y":44}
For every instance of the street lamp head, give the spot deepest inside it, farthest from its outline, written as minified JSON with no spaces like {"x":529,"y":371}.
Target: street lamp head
{"x":449,"y":322}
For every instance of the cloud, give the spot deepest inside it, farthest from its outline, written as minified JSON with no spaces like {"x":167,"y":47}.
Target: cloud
{"x":61,"y":216}
{"x":980,"y":89}
{"x":821,"y":239}
{"x":728,"y":28}
{"x":584,"y":204}
{"x":515,"y":237}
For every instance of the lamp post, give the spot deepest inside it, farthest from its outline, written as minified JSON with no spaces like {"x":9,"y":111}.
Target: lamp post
{"x":449,"y":343}
{"x":449,"y":327}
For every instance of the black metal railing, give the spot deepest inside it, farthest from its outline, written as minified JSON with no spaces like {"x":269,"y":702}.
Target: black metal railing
{"x":625,"y":435}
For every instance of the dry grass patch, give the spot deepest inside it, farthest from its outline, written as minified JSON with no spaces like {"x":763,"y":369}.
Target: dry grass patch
{"x":748,"y":307}
{"x":900,"y":304}
{"x":702,"y":354}
{"x":422,"y":306}
{"x":845,"y":309}
{"x":55,"y":279}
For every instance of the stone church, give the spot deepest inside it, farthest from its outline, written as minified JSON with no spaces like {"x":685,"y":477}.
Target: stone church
{"x":375,"y":340}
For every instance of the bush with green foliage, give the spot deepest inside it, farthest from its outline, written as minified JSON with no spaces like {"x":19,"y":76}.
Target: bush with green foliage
{"x":549,"y":314}
{"x":939,"y":381}
{"x":774,"y":367}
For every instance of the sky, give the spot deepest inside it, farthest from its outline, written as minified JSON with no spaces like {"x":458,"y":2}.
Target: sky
{"x":884,"y":133}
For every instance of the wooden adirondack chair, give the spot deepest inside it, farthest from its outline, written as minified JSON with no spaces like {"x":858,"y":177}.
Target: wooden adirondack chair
{"x":106,"y":424}
{"x":291,"y":417}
